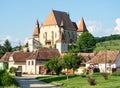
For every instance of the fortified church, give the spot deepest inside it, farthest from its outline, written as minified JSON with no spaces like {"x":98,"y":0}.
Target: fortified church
{"x":58,"y":31}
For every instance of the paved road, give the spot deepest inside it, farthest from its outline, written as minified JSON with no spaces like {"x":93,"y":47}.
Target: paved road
{"x":31,"y":82}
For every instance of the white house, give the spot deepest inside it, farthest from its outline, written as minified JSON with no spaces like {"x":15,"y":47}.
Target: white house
{"x":106,"y":61}
{"x":29,"y":62}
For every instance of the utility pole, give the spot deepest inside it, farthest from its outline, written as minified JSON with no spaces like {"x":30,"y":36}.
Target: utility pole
{"x":105,"y":59}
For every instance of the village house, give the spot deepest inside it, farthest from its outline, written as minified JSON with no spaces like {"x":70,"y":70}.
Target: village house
{"x":29,"y":62}
{"x":106,"y":61}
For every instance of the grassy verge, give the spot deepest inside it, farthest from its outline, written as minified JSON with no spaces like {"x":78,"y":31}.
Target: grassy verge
{"x":81,"y":82}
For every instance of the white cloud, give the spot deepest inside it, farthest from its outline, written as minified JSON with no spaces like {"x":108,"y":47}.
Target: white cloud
{"x":117,"y":28}
{"x":14,"y":42}
{"x":8,"y":37}
{"x":97,"y":29}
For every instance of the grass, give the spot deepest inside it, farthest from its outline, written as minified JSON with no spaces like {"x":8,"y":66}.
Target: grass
{"x":111,"y":45}
{"x":78,"y":81}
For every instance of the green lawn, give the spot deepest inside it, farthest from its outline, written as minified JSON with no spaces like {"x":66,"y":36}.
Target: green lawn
{"x":81,"y":82}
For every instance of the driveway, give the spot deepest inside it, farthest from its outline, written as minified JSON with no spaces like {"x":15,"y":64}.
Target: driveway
{"x":30,"y":82}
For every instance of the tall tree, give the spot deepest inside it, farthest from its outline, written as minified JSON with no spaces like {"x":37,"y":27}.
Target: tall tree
{"x":76,"y":61}
{"x":71,"y":61}
{"x":7,"y":46}
{"x":86,"y":42}
{"x":55,"y":65}
{"x":67,"y":62}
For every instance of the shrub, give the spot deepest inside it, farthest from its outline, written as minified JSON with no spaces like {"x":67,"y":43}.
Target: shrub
{"x":7,"y":80}
{"x":13,"y":69}
{"x":91,"y":81}
{"x":105,"y":75}
{"x":116,"y":74}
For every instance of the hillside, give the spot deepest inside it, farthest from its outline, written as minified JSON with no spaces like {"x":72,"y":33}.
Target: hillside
{"x":107,"y":38}
{"x":110,"y":45}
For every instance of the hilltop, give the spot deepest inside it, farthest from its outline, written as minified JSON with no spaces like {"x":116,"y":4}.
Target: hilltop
{"x":111,"y":42}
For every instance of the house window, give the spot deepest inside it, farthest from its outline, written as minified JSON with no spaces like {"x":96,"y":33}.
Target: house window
{"x":28,"y":62}
{"x":32,"y":62}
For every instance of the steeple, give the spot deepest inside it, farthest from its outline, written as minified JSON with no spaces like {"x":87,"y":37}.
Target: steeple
{"x":37,"y":23}
{"x":82,"y":27}
{"x":37,"y":29}
{"x":61,"y":38}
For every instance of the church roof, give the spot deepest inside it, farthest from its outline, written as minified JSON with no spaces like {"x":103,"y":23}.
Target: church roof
{"x":59,"y":18}
{"x":37,"y":29}
{"x":82,"y":27}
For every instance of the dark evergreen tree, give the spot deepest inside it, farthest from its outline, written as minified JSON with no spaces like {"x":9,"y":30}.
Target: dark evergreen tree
{"x":7,"y":46}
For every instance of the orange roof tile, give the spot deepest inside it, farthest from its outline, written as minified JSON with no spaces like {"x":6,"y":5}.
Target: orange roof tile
{"x":82,"y":26}
{"x":56,"y":18}
{"x":37,"y":29}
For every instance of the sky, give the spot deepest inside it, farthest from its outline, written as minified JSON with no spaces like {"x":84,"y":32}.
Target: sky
{"x":18,"y":17}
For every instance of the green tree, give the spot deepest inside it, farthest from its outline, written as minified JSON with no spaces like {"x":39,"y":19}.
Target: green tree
{"x":55,"y":65}
{"x":76,"y":61}
{"x":67,"y":62}
{"x":86,"y":42}
{"x":71,"y":61}
{"x":7,"y":46}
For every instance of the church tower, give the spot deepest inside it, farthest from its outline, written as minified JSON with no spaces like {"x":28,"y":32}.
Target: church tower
{"x":36,"y":31}
{"x":82,"y":27}
{"x":61,"y":45}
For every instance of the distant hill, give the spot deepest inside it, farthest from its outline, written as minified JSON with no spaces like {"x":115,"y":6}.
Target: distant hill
{"x":107,"y":38}
{"x":108,"y":42}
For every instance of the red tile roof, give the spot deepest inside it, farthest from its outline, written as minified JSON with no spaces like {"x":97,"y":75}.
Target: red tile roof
{"x":105,"y":55}
{"x":59,"y":18}
{"x":21,"y":56}
{"x":82,"y":26}
{"x":87,"y":56}
{"x":44,"y":54}
{"x":6,"y":56}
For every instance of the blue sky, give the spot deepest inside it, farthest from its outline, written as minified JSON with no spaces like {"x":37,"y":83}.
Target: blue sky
{"x":18,"y":17}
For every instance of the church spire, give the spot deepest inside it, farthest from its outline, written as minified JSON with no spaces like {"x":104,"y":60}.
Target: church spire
{"x":37,"y":29}
{"x":82,"y":27}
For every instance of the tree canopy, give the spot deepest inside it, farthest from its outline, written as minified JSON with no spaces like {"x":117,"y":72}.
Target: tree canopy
{"x":6,"y":47}
{"x":86,"y":42}
{"x":54,"y":65}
